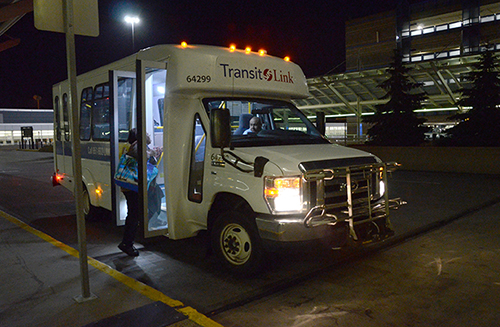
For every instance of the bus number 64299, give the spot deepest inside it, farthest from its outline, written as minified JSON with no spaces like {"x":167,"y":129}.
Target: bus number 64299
{"x":198,"y":79}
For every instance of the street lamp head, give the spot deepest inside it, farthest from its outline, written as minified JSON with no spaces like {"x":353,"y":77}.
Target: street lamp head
{"x":132,"y":20}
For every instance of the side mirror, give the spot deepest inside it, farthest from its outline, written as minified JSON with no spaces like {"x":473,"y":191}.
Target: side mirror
{"x":220,"y":128}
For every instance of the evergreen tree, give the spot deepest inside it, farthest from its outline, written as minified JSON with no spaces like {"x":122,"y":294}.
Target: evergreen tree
{"x":394,"y":122}
{"x":480,"y":126}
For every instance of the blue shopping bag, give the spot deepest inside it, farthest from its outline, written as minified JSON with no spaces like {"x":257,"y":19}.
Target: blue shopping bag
{"x":127,"y":175}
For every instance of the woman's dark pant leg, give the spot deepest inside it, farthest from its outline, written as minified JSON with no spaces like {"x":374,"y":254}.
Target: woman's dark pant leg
{"x":132,"y":220}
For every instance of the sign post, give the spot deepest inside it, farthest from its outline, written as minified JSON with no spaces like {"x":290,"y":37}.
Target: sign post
{"x":77,"y":156}
{"x":59,"y":16}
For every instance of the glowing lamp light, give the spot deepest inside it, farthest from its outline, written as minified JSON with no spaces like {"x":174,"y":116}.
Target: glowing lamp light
{"x":262,"y":52}
{"x":232,"y":47}
{"x":161,"y":89}
{"x":287,"y":58}
{"x":132,"y":20}
{"x":248,"y":50}
{"x":271,"y":192}
{"x":184,"y":44}
{"x":381,"y":188}
{"x":287,"y":183}
{"x":283,"y":194}
{"x":56,"y":179}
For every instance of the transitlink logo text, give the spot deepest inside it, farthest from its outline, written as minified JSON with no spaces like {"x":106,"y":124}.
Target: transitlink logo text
{"x":259,"y":74}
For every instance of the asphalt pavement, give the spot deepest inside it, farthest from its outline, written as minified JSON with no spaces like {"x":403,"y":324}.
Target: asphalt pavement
{"x":445,"y":272}
{"x":447,"y":276}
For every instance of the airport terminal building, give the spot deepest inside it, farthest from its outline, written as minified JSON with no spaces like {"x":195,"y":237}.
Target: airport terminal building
{"x":14,"y":121}
{"x":440,"y":40}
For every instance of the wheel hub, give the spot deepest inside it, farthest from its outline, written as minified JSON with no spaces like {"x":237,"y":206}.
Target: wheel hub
{"x":232,"y":245}
{"x":236,"y":244}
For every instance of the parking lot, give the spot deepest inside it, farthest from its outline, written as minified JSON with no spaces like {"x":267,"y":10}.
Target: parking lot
{"x":446,"y":250}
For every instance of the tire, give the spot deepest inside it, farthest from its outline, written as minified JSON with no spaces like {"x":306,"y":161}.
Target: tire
{"x":236,"y":243}
{"x":91,"y":212}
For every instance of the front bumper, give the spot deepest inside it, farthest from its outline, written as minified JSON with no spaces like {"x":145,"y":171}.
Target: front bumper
{"x":318,"y":223}
{"x":351,"y":198}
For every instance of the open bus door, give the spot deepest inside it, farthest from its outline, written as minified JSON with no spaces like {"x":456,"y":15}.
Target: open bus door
{"x":62,"y":135}
{"x":58,"y":137}
{"x":123,"y":94}
{"x":151,"y":85}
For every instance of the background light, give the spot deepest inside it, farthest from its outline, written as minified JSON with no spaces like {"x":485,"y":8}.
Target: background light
{"x":132,"y":20}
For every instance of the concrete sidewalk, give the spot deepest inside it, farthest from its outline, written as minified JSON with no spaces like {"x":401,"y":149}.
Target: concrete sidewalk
{"x":41,"y":277}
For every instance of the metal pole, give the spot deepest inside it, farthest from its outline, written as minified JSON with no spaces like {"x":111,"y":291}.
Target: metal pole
{"x":76,"y":150}
{"x":133,"y":39}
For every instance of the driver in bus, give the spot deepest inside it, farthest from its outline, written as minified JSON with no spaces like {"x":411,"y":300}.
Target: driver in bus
{"x":255,"y":126}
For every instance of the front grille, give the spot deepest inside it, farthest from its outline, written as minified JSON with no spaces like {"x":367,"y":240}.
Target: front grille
{"x":344,"y":192}
{"x":349,"y":196}
{"x":336,"y":190}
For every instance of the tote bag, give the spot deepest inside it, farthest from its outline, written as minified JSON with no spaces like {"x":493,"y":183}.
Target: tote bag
{"x":127,"y":175}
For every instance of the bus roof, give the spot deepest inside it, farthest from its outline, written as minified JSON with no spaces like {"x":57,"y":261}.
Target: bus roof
{"x":203,"y":68}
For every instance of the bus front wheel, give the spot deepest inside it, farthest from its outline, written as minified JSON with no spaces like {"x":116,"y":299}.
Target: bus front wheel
{"x":236,"y":243}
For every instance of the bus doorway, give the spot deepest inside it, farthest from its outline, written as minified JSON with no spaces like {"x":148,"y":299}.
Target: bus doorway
{"x":138,"y":103}
{"x":123,"y":116}
{"x":150,"y":122}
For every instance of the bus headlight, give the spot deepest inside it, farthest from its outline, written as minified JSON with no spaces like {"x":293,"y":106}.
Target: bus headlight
{"x":283,"y":194}
{"x":381,"y":184}
{"x":381,"y":188}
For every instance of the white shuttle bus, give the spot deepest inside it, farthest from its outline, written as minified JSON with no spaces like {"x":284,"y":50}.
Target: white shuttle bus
{"x":286,"y":183}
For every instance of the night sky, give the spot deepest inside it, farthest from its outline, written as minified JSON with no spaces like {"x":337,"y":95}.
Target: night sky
{"x":310,"y":32}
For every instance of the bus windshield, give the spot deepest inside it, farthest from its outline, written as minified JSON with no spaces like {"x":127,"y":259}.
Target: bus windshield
{"x":266,"y":123}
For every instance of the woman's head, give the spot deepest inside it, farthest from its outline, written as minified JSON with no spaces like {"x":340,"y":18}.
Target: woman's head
{"x":132,"y":136}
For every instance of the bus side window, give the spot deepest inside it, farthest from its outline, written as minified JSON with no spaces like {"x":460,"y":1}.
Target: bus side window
{"x":57,"y":119}
{"x":100,"y":113}
{"x":195,"y":190}
{"x":126,"y":106}
{"x":85,"y":108}
{"x":65,"y":117}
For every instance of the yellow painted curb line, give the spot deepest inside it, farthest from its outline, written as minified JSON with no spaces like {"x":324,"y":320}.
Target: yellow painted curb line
{"x":142,"y":288}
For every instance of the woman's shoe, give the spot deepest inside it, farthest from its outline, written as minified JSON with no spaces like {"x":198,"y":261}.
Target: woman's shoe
{"x":128,"y":249}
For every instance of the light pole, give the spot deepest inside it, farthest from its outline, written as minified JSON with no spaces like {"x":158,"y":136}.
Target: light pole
{"x":132,"y":20}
